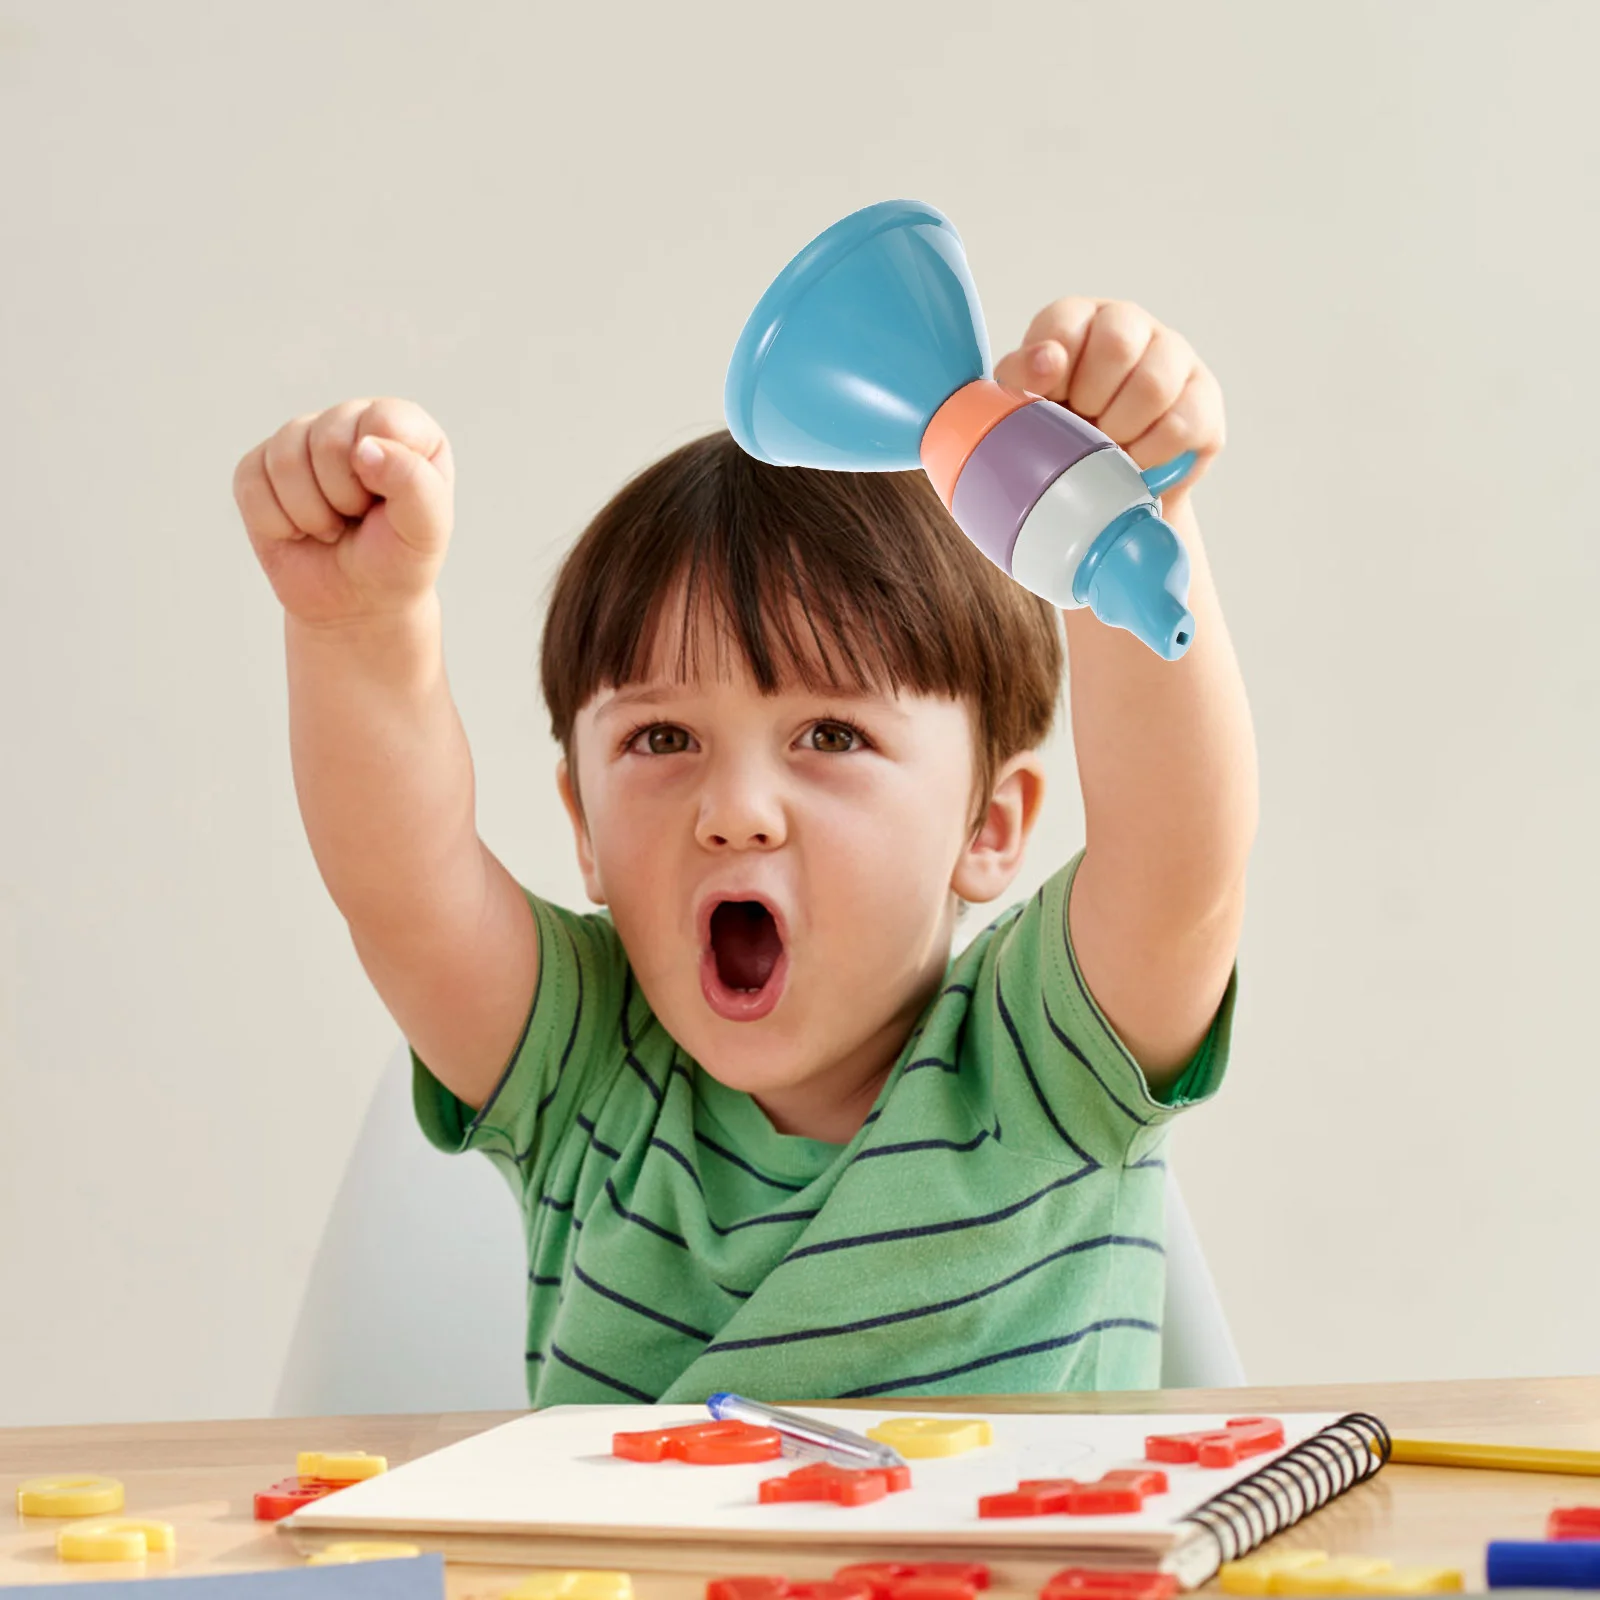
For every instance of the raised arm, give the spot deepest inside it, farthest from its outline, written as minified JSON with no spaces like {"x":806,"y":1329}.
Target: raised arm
{"x":349,"y":513}
{"x":1166,"y":752}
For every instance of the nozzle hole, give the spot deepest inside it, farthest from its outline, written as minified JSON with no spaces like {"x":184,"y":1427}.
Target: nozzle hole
{"x":1183,"y":638}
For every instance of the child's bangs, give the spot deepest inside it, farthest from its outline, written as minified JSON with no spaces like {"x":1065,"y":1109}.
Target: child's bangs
{"x":809,"y":576}
{"x":788,"y":625}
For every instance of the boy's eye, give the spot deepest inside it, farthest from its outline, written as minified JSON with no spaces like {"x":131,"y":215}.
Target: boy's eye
{"x":662,"y":739}
{"x":834,"y":738}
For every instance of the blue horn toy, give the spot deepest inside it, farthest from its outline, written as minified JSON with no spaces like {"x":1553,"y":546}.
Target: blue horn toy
{"x":868,"y":354}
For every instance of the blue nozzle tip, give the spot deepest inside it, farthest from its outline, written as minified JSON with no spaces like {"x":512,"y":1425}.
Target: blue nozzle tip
{"x":1136,"y":576}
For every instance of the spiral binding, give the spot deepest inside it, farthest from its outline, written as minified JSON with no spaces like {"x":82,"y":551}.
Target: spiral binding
{"x":1297,"y":1483}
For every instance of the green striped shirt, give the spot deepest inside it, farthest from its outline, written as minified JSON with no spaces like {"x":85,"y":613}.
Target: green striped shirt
{"x":995,"y":1225}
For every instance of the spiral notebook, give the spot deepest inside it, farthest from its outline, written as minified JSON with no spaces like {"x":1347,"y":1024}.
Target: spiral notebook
{"x":545,"y":1490}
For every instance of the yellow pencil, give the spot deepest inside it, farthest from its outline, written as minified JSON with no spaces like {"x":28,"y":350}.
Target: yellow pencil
{"x":1496,"y":1457}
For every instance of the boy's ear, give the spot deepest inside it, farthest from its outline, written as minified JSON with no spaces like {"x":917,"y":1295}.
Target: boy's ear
{"x":993,"y":854}
{"x":580,"y":834}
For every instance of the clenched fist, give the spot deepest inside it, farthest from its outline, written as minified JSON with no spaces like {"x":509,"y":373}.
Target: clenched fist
{"x":1139,"y":382}
{"x":349,"y":511}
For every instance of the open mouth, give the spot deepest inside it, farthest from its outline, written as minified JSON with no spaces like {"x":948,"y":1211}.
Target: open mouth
{"x":745,"y":941}
{"x":742,"y":972}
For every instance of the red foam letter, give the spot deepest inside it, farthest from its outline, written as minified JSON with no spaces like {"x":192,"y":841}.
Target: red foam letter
{"x":1083,"y":1583}
{"x":702,"y":1444}
{"x":1218,"y":1447}
{"x":919,"y":1580}
{"x":844,"y":1486}
{"x":1116,"y":1493}
{"x":782,"y":1589}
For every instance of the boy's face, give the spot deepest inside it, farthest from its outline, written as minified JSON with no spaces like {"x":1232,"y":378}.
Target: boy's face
{"x":832,"y":831}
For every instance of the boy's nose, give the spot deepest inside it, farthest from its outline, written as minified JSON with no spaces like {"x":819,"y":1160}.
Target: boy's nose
{"x":741,"y":811}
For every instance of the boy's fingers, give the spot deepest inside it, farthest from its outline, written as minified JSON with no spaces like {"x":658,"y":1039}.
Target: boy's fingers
{"x":402,"y":456}
{"x":1140,"y":382}
{"x":1067,"y":322}
{"x":1041,"y":369}
{"x":1044,"y":361}
{"x":265,"y":520}
{"x":407,"y":423}
{"x":333,"y":436}
{"x":1117,"y":339}
{"x":1150,"y":389}
{"x":1194,"y":421}
{"x":414,"y":491}
{"x":287,"y":458}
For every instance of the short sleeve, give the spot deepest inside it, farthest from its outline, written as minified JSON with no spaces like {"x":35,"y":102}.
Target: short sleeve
{"x":574,"y":1028}
{"x":1060,"y":1081}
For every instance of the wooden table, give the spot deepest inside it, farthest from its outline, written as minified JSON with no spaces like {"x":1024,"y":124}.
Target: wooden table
{"x":201,"y":1475}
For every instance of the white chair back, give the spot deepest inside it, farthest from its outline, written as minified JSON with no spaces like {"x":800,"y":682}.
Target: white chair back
{"x":416,"y":1299}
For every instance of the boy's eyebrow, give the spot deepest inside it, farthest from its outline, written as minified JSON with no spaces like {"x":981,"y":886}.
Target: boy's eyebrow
{"x":630,"y":697}
{"x":658,"y":692}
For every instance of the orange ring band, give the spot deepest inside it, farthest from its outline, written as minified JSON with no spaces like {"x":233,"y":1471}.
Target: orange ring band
{"x":959,"y":425}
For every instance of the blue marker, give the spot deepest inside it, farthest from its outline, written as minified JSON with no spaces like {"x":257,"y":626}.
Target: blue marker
{"x":1556,"y":1564}
{"x":803,"y":1437}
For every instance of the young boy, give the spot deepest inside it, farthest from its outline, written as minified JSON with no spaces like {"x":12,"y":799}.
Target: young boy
{"x":766,"y":1135}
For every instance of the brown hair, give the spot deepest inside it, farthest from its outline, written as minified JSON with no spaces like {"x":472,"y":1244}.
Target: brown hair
{"x":891,"y":593}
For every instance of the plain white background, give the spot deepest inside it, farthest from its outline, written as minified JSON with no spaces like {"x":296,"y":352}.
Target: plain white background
{"x":546,"y":223}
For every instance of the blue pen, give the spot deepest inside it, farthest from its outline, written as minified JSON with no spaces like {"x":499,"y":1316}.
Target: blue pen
{"x":1556,"y":1564}
{"x":803,"y":1437}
